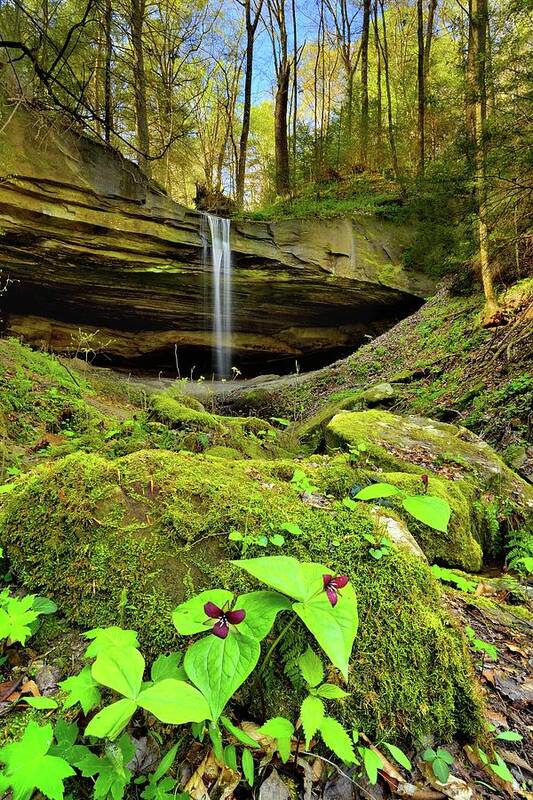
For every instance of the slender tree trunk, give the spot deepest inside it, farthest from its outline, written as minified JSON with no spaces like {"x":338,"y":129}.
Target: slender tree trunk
{"x":138,"y":8}
{"x":280,"y":132}
{"x":108,"y":100}
{"x":251,"y":27}
{"x":294,"y":85}
{"x":392,"y":137}
{"x":379,"y":111}
{"x":421,"y":87}
{"x":364,"y":82}
{"x":476,"y":118}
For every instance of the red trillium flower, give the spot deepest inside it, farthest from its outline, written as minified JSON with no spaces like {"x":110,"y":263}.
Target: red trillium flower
{"x":225,"y":618}
{"x":332,"y":584}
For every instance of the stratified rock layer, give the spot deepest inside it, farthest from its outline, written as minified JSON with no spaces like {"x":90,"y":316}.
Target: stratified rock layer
{"x":90,"y":244}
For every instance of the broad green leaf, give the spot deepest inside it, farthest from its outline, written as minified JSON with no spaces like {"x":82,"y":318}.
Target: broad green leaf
{"x":429,"y":754}
{"x":329,"y":691}
{"x":248,"y":768}
{"x":441,"y":770}
{"x":110,"y":769}
{"x":28,"y":765}
{"x":334,"y":627}
{"x":43,"y":703}
{"x":219,"y":666}
{"x":372,"y":762}
{"x":501,"y":769}
{"x":277,"y":728}
{"x":43,"y":605}
{"x":349,"y":503}
{"x":336,"y":738}
{"x":82,"y":689}
{"x":311,"y":714}
{"x":230,"y":757}
{"x":291,"y":527}
{"x":104,"y":638}
{"x":174,"y":702}
{"x":447,"y":757}
{"x":166,"y":762}
{"x":261,"y":609}
{"x":277,"y":540}
{"x":66,"y":735}
{"x":398,"y":755}
{"x":284,"y":748}
{"x":311,"y":667}
{"x":285,"y":574}
{"x":167,"y":667}
{"x":238,"y":733}
{"x":378,"y":490}
{"x":432,"y":511}
{"x":190,"y":618}
{"x":16,"y":616}
{"x":120,"y":669}
{"x":110,"y":721}
{"x":509,"y":736}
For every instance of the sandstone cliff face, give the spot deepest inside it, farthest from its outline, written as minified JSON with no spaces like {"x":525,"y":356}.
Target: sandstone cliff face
{"x":90,"y":244}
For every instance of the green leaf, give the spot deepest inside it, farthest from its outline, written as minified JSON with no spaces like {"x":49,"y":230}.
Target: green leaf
{"x":311,"y":714}
{"x":28,"y":765}
{"x":167,"y":667}
{"x":16,"y":617}
{"x":82,"y":689}
{"x":447,"y":757}
{"x":6,"y":488}
{"x":502,"y":770}
{"x":277,"y":540}
{"x":283,"y":573}
{"x":235,"y":536}
{"x":331,"y":692}
{"x":432,"y":511}
{"x":311,"y":667}
{"x":429,"y":754}
{"x":372,"y":762}
{"x":66,"y":735}
{"x":441,"y":770}
{"x":334,"y":627}
{"x":284,"y":748}
{"x":41,"y":702}
{"x":219,"y":666}
{"x":398,"y":755}
{"x":43,"y":605}
{"x":216,"y":740}
{"x":105,"y":638}
{"x":120,"y":669}
{"x":166,"y":762}
{"x":378,"y":490}
{"x":238,"y":733}
{"x":110,"y":721}
{"x":349,"y":503}
{"x":230,"y":757}
{"x":292,"y":528}
{"x":336,"y":738}
{"x":174,"y":702}
{"x":448,"y":576}
{"x":190,"y":618}
{"x":248,"y":768}
{"x":277,"y":728}
{"x":261,"y":609}
{"x":509,"y":736}
{"x":113,"y":775}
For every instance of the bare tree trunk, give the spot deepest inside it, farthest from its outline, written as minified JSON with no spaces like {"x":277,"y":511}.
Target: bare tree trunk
{"x":108,"y":100}
{"x":138,"y":8}
{"x":392,"y":138}
{"x":421,"y":85}
{"x":280,"y":133}
{"x":364,"y":82}
{"x":476,"y":118}
{"x":379,"y":111}
{"x":251,"y":27}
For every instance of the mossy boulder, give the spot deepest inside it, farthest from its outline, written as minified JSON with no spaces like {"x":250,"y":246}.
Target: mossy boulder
{"x":152,"y":527}
{"x":175,"y":414}
{"x":177,"y":393}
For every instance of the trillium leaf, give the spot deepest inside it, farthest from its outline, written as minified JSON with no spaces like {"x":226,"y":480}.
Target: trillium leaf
{"x":378,"y":490}
{"x":219,"y":666}
{"x":285,"y":574}
{"x":432,"y":511}
{"x":190,"y":618}
{"x":277,"y":728}
{"x":110,"y":721}
{"x":261,"y":609}
{"x":336,"y":738}
{"x":82,"y":689}
{"x":334,"y":627}
{"x":311,"y":714}
{"x":311,"y":667}
{"x":104,"y":638}
{"x":120,"y":669}
{"x":174,"y":702}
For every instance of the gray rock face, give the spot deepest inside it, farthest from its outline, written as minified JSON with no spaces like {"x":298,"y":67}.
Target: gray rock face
{"x":90,"y":244}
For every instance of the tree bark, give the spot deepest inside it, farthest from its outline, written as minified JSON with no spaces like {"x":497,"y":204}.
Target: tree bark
{"x":280,"y":133}
{"x":392,"y":138}
{"x":138,"y":9}
{"x":108,"y":101}
{"x":421,"y":86}
{"x":251,"y":27}
{"x":364,"y":82}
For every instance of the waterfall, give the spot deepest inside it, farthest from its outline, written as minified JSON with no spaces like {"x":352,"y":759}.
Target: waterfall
{"x":219,"y":230}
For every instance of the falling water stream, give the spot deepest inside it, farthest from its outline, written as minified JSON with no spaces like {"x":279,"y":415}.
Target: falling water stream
{"x":219,"y":230}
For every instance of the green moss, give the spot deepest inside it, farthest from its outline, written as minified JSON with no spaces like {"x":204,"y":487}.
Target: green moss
{"x":219,"y":451}
{"x":176,"y":415}
{"x":176,"y":393}
{"x":153,"y":527}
